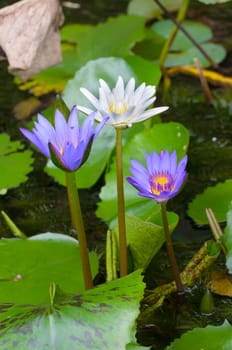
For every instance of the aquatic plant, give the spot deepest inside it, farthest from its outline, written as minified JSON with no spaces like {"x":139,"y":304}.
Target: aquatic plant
{"x":161,"y":181}
{"x":124,"y":105}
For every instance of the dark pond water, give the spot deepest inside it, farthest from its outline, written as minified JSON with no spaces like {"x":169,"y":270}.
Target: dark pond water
{"x":40,"y":205}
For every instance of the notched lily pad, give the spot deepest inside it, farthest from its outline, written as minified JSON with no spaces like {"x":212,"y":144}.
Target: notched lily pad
{"x":101,"y":318}
{"x":208,"y":338}
{"x":217,"y":198}
{"x":29,"y":266}
{"x":13,"y":157}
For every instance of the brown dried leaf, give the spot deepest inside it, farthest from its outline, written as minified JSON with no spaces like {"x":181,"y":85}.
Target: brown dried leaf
{"x":221,"y":283}
{"x":29,"y":36}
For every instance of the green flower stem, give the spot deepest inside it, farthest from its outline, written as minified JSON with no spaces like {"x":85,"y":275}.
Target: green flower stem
{"x":170,"y":249}
{"x":78,"y":225}
{"x":121,"y":206}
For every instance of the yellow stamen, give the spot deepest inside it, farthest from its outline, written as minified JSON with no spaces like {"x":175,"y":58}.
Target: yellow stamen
{"x":118,"y":107}
{"x":160,"y":183}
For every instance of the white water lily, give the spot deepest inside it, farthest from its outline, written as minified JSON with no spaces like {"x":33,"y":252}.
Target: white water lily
{"x":124,"y":105}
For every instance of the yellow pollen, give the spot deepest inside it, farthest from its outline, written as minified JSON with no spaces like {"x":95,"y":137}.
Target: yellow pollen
{"x":61,"y":151}
{"x":159,"y":182}
{"x":118,"y":107}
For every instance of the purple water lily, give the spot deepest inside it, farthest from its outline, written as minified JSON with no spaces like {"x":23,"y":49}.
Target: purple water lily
{"x":67,"y":144}
{"x":163,"y":177}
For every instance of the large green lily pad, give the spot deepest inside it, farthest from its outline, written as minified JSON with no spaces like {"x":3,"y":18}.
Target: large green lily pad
{"x":217,"y":198}
{"x":101,"y":318}
{"x":29,"y":266}
{"x":208,"y":338}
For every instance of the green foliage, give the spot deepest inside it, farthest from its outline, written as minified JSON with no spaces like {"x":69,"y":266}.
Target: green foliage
{"x":108,"y":68}
{"x":29,"y":266}
{"x":168,"y":136}
{"x":227,"y":239}
{"x":145,"y":238}
{"x":88,"y":76}
{"x":149,"y":9}
{"x":11,"y":158}
{"x":101,"y":318}
{"x":182,"y":50}
{"x":82,"y":43}
{"x":208,"y":338}
{"x":217,"y":198}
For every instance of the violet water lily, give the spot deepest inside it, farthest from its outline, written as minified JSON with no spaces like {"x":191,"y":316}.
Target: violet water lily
{"x":66,"y":143}
{"x":163,"y":177}
{"x":161,"y":180}
{"x":124,"y":104}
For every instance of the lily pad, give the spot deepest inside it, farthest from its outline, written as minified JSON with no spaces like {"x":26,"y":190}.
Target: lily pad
{"x":217,"y":198}
{"x":13,"y":157}
{"x":182,"y":50}
{"x":101,"y":318}
{"x":208,"y":338}
{"x":29,"y":266}
{"x":149,"y":9}
{"x":82,"y":43}
{"x":168,"y":136}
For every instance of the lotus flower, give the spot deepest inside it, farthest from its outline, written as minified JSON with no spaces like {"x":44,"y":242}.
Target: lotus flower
{"x":124,"y":105}
{"x":67,"y":144}
{"x":163,"y":177}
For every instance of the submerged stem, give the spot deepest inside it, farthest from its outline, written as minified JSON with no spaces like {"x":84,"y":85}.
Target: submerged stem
{"x":121,"y":206}
{"x":78,"y":225}
{"x":170,"y":249}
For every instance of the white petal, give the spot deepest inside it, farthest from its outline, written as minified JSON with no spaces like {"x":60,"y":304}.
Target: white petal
{"x":105,"y":86}
{"x":119,"y":89}
{"x":129,"y":90}
{"x":84,"y":109}
{"x":90,"y":97}
{"x":150,"y":113}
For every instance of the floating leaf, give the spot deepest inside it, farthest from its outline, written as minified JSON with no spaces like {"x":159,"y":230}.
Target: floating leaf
{"x":199,"y":31}
{"x":101,"y":318}
{"x":183,"y":51}
{"x":82,"y":48}
{"x":109,"y":69}
{"x":29,"y":266}
{"x":168,"y":136}
{"x":208,"y":338}
{"x":12,"y":157}
{"x":187,"y":57}
{"x":149,"y":9}
{"x":217,"y":198}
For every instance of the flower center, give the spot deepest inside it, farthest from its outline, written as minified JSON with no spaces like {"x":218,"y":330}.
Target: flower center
{"x":118,"y":107}
{"x":162,"y":182}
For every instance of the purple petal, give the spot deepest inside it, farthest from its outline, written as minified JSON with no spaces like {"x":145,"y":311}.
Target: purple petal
{"x":73,"y":127}
{"x":173,"y":163}
{"x":43,"y":148}
{"x":181,"y":166}
{"x":61,"y":128}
